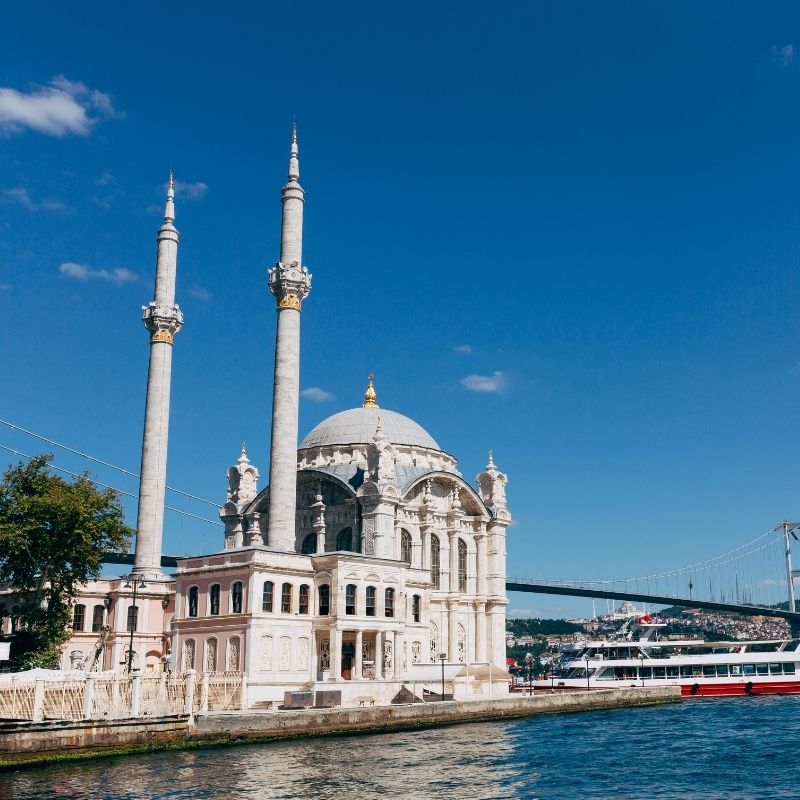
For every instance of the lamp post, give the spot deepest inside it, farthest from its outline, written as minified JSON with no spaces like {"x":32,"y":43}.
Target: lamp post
{"x":586,"y":659}
{"x":134,"y":582}
{"x":529,"y":664}
{"x":442,"y":657}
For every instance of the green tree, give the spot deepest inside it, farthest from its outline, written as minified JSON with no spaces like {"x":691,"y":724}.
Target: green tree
{"x":53,"y":534}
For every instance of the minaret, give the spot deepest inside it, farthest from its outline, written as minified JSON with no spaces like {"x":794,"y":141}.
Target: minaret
{"x":290,"y":282}
{"x":163,"y":320}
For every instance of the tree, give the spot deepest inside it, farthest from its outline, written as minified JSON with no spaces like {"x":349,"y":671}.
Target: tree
{"x":53,"y":534}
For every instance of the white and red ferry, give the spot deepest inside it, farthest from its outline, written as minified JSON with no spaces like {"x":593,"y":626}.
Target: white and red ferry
{"x":637,"y":656}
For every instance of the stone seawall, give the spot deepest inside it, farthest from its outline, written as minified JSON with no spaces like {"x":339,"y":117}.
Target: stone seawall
{"x":27,"y":743}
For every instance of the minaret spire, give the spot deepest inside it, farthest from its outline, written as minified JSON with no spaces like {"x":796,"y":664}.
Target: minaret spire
{"x":290,"y":282}
{"x":163,"y":319}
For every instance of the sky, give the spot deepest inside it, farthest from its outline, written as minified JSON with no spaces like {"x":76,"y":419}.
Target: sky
{"x":567,"y":232}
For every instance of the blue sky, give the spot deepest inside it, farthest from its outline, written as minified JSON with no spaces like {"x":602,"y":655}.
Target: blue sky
{"x":567,"y":232}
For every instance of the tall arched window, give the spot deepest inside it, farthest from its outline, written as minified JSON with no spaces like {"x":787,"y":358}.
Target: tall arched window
{"x":267,"y":595}
{"x":78,"y":617}
{"x":237,"y":591}
{"x":436,"y":552}
{"x":350,"y":599}
{"x":309,"y":546}
{"x":133,"y":618}
{"x":286,"y":598}
{"x":302,"y":605}
{"x":370,"y":604}
{"x":193,"y":594}
{"x":388,"y":605}
{"x":344,"y":541}
{"x":97,"y":618}
{"x":324,"y":600}
{"x":405,"y":546}
{"x":415,"y":608}
{"x":462,"y":565}
{"x":213,"y":595}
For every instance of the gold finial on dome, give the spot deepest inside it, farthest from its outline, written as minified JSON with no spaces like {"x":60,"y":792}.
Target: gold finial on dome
{"x":370,"y":398}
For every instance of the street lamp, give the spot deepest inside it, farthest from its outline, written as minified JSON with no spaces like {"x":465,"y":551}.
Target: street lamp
{"x":134,"y":582}
{"x":442,"y":657}
{"x":529,"y":665}
{"x":586,"y":659}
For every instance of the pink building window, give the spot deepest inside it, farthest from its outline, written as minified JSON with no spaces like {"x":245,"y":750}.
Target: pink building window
{"x":303,"y":601}
{"x":78,"y":617}
{"x":214,"y":599}
{"x":324,"y":600}
{"x":193,"y":595}
{"x":286,"y":598}
{"x":237,"y":592}
{"x":266,"y":597}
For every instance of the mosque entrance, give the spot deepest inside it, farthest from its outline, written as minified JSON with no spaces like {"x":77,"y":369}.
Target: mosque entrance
{"x":348,"y":657}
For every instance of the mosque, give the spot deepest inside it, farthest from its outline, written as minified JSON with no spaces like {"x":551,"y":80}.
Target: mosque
{"x":365,"y":563}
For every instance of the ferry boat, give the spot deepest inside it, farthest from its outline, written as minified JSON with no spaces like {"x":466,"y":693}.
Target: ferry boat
{"x":637,"y":656}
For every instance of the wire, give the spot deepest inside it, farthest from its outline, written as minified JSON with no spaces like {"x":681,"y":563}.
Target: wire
{"x":100,"y":461}
{"x":113,"y":488}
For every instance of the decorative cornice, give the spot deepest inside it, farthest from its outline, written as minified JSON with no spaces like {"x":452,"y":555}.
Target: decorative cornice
{"x":162,"y":321}
{"x":290,"y":284}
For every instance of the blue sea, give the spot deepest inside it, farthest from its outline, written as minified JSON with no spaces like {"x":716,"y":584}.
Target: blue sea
{"x":702,"y":748}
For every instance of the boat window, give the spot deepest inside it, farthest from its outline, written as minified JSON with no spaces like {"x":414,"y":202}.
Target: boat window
{"x":709,"y":671}
{"x":775,"y":669}
{"x":659,"y":672}
{"x":673,"y":672}
{"x":722,"y":670}
{"x":762,"y":669}
{"x":686,"y":671}
{"x":697,"y":671}
{"x":645,"y":672}
{"x":748,"y":669}
{"x":607,"y":674}
{"x":736,"y":669}
{"x":788,"y":669}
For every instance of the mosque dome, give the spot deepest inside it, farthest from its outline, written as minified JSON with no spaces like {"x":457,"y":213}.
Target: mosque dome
{"x":357,"y":426}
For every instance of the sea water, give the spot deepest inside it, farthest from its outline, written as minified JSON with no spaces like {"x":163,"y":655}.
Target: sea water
{"x":742,"y":747}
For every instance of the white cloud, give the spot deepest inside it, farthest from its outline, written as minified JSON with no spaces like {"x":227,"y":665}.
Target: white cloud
{"x":786,"y":54}
{"x":80,"y":272}
{"x":19,"y":194}
{"x":4,"y":286}
{"x":105,"y":179}
{"x":64,"y":107}
{"x":191,"y":191}
{"x":463,"y":349}
{"x":316,"y":394}
{"x":495,"y":382}
{"x":200,"y":292}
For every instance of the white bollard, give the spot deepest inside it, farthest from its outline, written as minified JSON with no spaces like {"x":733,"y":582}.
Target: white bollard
{"x":136,"y":695}
{"x":188,"y":706}
{"x":88,"y":697}
{"x":38,"y":700}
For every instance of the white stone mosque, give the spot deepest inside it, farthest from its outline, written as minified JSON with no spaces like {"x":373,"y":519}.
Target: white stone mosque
{"x":366,"y":562}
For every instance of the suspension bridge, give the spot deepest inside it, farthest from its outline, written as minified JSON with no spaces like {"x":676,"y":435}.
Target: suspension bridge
{"x":754,"y":579}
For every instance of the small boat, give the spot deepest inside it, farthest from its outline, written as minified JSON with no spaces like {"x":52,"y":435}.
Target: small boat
{"x":638,"y":656}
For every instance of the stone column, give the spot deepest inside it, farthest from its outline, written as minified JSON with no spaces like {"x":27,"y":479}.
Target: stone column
{"x":398,"y":646}
{"x":163,"y":319}
{"x":290,"y":283}
{"x":378,"y":655}
{"x":358,"y":665}
{"x":453,"y":537}
{"x":336,"y":654}
{"x":481,"y":565}
{"x":480,"y":632}
{"x":452,"y":631}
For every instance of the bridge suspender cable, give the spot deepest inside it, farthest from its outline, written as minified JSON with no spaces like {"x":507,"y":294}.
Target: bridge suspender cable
{"x":114,"y":488}
{"x":100,"y":461}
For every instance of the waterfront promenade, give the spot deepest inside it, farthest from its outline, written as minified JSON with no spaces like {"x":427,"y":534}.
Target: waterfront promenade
{"x":28,"y":743}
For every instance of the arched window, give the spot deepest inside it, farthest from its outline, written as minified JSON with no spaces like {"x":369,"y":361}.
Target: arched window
{"x":303,"y":600}
{"x":388,"y":606}
{"x":462,"y":565}
{"x":344,"y":541}
{"x":370,"y":604}
{"x":188,"y":654}
{"x":350,"y":599}
{"x":309,"y":546}
{"x":237,"y":591}
{"x":211,"y":655}
{"x":324,"y":600}
{"x":286,"y":598}
{"x":97,"y":618}
{"x":405,"y":546}
{"x":266,"y":596}
{"x":133,"y":618}
{"x":78,"y":617}
{"x":214,"y":600}
{"x":193,"y":594}
{"x":436,"y":551}
{"x":415,"y":608}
